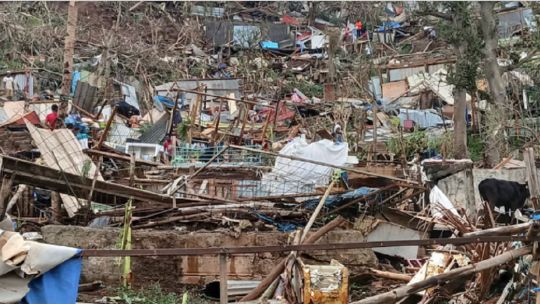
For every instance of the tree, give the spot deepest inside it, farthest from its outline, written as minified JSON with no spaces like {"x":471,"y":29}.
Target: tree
{"x":497,"y":114}
{"x":458,"y":29}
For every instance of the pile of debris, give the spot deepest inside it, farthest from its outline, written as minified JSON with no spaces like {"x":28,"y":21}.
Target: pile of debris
{"x":347,"y":178}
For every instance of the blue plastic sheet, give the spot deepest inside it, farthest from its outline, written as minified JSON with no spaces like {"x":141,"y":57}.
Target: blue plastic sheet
{"x":281,"y":226}
{"x":269,"y":45}
{"x":164,"y":100}
{"x":388,"y":25}
{"x":74,"y":81}
{"x":58,"y":285}
{"x":334,"y":201}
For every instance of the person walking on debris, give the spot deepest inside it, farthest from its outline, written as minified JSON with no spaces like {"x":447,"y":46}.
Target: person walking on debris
{"x":8,"y":85}
{"x":359,"y":29}
{"x":52,"y":117}
{"x":167,"y":148}
{"x":338,"y":134}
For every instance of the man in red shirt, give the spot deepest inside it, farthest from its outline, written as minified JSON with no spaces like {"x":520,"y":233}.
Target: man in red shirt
{"x":52,"y":117}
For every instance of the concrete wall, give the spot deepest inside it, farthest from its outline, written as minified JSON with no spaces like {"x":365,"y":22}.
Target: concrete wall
{"x":456,"y":190}
{"x":171,"y":271}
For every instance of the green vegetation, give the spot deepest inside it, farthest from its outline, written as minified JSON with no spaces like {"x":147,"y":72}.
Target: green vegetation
{"x":475,"y":145}
{"x":421,"y":141}
{"x":308,"y":88}
{"x":153,"y":294}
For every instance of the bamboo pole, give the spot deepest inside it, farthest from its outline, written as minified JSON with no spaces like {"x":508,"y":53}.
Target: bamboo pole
{"x":317,"y":211}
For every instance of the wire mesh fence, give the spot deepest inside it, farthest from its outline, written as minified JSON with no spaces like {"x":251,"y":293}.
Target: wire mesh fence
{"x":262,"y":175}
{"x":199,"y":154}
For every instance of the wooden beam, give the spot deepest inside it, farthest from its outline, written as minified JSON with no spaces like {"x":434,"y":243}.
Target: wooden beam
{"x":122,"y":157}
{"x":217,"y":96}
{"x":106,"y":130}
{"x":223,"y":296}
{"x":44,"y":177}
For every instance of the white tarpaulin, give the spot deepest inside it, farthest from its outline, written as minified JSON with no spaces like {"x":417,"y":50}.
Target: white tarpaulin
{"x":20,"y":260}
{"x":292,"y":176}
{"x":440,"y":201}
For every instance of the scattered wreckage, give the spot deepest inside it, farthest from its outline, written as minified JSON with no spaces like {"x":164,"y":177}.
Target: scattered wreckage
{"x":264,"y":197}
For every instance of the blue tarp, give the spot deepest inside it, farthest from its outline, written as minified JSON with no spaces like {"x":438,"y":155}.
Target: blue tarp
{"x":388,"y":25}
{"x":269,"y":45}
{"x":334,"y":201}
{"x":169,"y":103}
{"x":58,"y":285}
{"x":283,"y":227}
{"x":74,"y":81}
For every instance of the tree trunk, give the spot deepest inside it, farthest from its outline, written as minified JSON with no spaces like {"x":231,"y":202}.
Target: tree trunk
{"x":312,"y":13}
{"x":460,"y":125}
{"x":69,"y":46}
{"x":488,"y":24}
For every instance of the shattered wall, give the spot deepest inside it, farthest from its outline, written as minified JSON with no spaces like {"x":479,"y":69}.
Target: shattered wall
{"x":171,"y":271}
{"x":455,"y":189}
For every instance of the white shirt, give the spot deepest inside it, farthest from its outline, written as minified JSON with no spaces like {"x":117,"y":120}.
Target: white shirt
{"x":8,"y":82}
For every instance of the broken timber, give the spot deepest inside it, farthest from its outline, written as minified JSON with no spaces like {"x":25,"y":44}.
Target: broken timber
{"x":307,"y":245}
{"x":403,"y":291}
{"x":122,"y":157}
{"x":47,"y":178}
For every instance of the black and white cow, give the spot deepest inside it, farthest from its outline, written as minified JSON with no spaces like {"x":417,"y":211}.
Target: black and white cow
{"x":503,"y":194}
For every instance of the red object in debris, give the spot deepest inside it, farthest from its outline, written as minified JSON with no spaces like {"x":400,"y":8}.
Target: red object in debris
{"x":18,"y":120}
{"x":289,"y":20}
{"x":408,"y":124}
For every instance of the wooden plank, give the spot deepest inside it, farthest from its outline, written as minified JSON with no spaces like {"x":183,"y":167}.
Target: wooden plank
{"x":48,"y":178}
{"x":106,"y":130}
{"x":391,"y":90}
{"x":532,"y":177}
{"x":223,"y":296}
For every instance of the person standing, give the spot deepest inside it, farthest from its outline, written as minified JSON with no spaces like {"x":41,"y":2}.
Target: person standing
{"x":8,"y":84}
{"x":52,"y":117}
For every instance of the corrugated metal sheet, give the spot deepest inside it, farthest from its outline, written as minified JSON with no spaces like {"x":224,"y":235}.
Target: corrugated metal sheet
{"x":85,"y":96}
{"x":512,"y":21}
{"x":199,"y":10}
{"x":221,"y":87}
{"x":222,"y":32}
{"x":157,"y":132}
{"x":3,"y":115}
{"x":62,"y":151}
{"x":403,"y":73}
{"x":119,"y":132}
